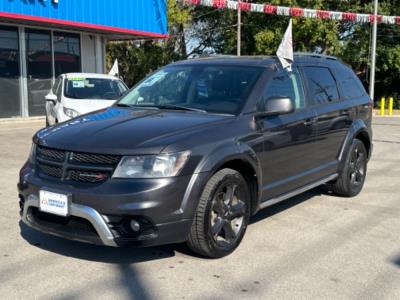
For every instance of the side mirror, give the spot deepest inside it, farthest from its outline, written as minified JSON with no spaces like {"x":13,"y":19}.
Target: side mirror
{"x":276,"y":106}
{"x":51,"y":98}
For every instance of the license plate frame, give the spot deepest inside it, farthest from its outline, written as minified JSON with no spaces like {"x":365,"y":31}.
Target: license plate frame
{"x":55,"y":202}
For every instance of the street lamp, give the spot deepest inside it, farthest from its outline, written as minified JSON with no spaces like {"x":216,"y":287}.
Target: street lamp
{"x":239,"y":28}
{"x":373,"y":53}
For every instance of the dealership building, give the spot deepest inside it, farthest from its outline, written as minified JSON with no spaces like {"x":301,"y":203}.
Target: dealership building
{"x":41,"y":39}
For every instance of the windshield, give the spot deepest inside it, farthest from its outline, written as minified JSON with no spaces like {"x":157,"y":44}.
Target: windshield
{"x":215,"y":89}
{"x":94,"y":88}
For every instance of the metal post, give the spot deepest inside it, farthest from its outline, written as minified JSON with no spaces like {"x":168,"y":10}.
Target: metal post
{"x":239,"y":28}
{"x":373,"y":53}
{"x":383,"y":100}
{"x":390,"y":106}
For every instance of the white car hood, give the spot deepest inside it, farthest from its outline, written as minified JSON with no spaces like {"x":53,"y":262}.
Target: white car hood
{"x":84,"y":106}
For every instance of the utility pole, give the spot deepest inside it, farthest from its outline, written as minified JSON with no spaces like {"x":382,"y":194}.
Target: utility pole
{"x":239,"y":28}
{"x":373,"y":53}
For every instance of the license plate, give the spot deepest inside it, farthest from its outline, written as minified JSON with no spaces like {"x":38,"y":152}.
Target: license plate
{"x":54,"y":203}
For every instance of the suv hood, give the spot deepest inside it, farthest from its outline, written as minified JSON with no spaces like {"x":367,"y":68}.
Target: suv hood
{"x":123,"y":131}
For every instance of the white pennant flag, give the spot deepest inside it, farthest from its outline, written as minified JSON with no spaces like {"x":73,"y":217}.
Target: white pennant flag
{"x":114,"y":70}
{"x":285,"y":50}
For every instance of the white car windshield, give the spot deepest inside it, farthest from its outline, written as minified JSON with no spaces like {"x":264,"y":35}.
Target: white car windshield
{"x":94,"y":88}
{"x":207,"y":88}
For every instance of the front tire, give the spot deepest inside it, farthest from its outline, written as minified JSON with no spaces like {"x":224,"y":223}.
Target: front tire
{"x":352,"y":178}
{"x":222,"y":215}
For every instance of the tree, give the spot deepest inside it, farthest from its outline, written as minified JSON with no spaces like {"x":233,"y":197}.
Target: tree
{"x":200,"y":30}
{"x":139,"y":58}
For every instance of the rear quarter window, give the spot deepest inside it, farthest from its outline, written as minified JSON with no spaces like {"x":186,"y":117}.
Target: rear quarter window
{"x":350,"y":84}
{"x":321,"y":84}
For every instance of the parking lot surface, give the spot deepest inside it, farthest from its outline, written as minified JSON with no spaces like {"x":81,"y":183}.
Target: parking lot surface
{"x":312,"y":246}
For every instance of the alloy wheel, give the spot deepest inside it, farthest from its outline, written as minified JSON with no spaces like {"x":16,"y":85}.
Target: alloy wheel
{"x":357,"y":167}
{"x":227,"y":215}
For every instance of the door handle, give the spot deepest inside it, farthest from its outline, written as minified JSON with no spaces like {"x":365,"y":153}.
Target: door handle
{"x":345,"y":112}
{"x":309,"y":122}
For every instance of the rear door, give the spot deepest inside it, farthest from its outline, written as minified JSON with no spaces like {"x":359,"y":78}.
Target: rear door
{"x":288,"y":140}
{"x":333,"y":118}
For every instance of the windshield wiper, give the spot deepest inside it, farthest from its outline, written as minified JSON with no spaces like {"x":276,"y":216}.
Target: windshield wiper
{"x":163,"y":106}
{"x":123,"y":105}
{"x":179,"y":107}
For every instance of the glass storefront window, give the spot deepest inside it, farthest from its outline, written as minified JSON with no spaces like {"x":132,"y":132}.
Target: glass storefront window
{"x":41,"y":47}
{"x":67,"y":59}
{"x":39,"y":69}
{"x":67,"y":53}
{"x":9,"y":72}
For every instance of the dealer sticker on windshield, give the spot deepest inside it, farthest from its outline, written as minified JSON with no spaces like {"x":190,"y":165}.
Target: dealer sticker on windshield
{"x":54,"y":203}
{"x":76,"y":84}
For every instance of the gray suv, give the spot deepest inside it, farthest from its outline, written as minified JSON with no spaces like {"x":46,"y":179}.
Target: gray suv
{"x":196,"y":149}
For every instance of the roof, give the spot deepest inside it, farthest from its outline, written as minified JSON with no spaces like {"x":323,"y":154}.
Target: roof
{"x":90,"y":75}
{"x":253,"y":60}
{"x":230,"y":60}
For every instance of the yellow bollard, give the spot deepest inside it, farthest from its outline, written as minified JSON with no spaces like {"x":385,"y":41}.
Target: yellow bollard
{"x":383,"y":106}
{"x":390,"y":106}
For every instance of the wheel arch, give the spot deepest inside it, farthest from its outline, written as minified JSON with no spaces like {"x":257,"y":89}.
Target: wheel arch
{"x":364,"y":137}
{"x":358,"y":130}
{"x":242,"y":159}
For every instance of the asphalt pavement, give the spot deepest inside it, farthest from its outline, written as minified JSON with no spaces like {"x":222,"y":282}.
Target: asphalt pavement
{"x":313,"y":246}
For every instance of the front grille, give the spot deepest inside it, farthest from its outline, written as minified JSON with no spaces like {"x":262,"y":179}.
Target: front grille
{"x":51,"y":154}
{"x":51,"y":171}
{"x":95,"y":158}
{"x":75,"y":166}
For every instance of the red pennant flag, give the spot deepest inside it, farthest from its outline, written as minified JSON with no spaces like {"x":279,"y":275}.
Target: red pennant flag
{"x":323,"y":14}
{"x":245,"y":6}
{"x":350,"y":16}
{"x":296,"y":12}
{"x":270,"y":9}
{"x":219,"y":3}
{"x":372,"y":18}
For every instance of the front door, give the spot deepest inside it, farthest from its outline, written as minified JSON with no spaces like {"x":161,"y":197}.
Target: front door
{"x":289,"y":140}
{"x":39,"y":69}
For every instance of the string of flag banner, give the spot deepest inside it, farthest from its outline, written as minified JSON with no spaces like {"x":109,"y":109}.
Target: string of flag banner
{"x":295,"y":11}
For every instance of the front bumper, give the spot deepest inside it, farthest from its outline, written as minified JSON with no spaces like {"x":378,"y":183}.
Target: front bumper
{"x":101,"y":214}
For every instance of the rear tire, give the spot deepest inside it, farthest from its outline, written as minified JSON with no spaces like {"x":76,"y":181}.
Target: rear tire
{"x":352,"y":178}
{"x":222,"y":215}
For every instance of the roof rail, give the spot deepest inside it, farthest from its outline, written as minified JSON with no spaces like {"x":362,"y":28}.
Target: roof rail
{"x":212,"y":55}
{"x":315,"y":55}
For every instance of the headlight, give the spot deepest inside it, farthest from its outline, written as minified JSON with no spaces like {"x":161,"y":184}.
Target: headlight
{"x":32,"y":154}
{"x":71,"y":113}
{"x":151,"y":166}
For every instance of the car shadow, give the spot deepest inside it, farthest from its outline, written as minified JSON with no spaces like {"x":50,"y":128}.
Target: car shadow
{"x":289,"y":203}
{"x":396,"y":261}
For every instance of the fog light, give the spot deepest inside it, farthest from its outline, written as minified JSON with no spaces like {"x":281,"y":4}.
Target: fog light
{"x":135,"y":226}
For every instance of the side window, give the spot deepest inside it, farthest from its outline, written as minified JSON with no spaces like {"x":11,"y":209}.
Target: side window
{"x":285,"y":84}
{"x":351,"y":86}
{"x":321,"y":84}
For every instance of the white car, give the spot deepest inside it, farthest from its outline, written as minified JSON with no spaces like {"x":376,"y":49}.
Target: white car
{"x":75,"y":94}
